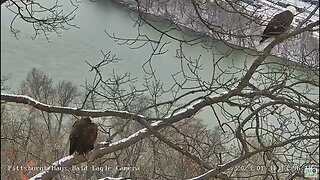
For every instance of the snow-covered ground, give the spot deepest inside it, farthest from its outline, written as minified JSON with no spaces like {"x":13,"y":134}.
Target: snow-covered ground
{"x":224,"y":23}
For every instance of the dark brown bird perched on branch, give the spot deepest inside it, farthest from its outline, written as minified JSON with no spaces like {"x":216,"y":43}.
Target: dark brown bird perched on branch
{"x":83,"y":136}
{"x":279,"y":23}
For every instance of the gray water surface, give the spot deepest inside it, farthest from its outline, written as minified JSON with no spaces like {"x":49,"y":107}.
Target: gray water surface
{"x":64,"y":57}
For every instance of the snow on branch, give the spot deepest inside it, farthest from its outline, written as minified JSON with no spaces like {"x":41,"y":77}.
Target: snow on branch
{"x":101,"y":149}
{"x":104,"y":148}
{"x":110,"y":178}
{"x":185,"y":112}
{"x":56,"y":166}
{"x":22,"y":99}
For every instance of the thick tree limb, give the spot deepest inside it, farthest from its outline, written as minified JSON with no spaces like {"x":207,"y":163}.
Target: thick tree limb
{"x":22,"y":99}
{"x":186,"y":113}
{"x":103,"y":148}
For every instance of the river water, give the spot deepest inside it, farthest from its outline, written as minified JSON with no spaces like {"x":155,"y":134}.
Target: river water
{"x":63,"y":58}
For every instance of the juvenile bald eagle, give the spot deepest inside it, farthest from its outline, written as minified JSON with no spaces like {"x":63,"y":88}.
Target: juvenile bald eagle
{"x":279,"y":23}
{"x":83,"y":136}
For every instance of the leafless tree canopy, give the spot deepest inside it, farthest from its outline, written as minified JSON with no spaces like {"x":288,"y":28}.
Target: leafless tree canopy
{"x":267,"y":109}
{"x":44,"y":17}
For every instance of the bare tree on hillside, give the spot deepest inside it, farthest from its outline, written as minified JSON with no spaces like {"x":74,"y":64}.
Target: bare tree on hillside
{"x":41,"y":87}
{"x":33,"y":138}
{"x":4,"y":86}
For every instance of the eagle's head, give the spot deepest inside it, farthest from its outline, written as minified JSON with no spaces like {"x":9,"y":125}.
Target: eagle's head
{"x":292,"y":9}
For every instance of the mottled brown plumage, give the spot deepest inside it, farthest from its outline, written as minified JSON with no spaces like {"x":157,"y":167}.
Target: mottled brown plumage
{"x":83,"y":136}
{"x":277,"y":25}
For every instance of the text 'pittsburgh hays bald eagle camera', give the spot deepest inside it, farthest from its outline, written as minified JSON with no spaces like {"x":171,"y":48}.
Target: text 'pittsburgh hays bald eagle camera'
{"x":83,"y":136}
